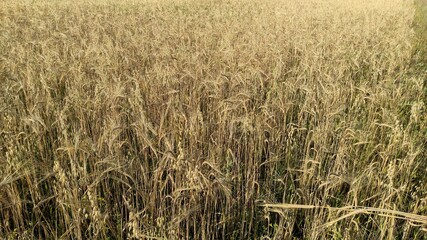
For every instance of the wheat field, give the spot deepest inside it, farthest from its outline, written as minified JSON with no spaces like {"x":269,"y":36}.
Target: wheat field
{"x":213,"y":119}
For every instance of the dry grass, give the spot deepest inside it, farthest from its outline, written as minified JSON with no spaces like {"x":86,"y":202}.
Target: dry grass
{"x":216,"y":119}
